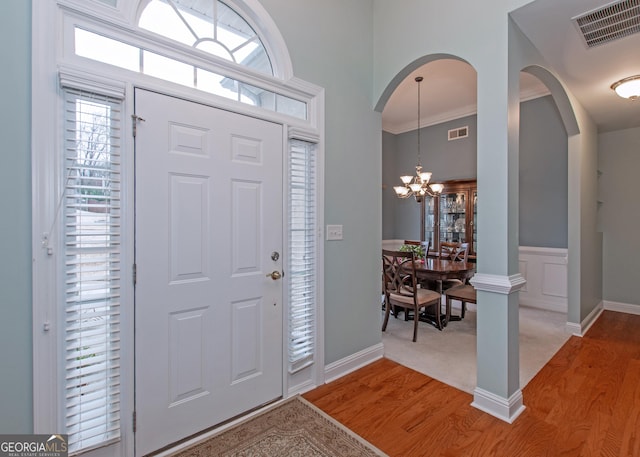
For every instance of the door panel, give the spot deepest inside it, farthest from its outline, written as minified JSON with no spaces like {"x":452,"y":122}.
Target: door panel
{"x":208,"y":316}
{"x":189,"y":226}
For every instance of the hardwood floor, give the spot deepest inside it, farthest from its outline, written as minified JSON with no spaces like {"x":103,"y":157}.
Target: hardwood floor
{"x":584,"y":402}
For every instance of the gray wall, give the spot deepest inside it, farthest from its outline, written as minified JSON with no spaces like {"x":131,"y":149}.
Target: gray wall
{"x":619,"y":214}
{"x":389,"y":179}
{"x":543,"y":172}
{"x":317,"y":34}
{"x":543,"y":175}
{"x":445,"y":159}
{"x":15,"y":224}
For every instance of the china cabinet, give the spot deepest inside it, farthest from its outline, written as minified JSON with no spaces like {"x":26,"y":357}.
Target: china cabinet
{"x":452,"y":216}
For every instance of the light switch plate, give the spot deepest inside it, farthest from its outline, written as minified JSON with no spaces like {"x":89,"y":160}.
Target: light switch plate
{"x":334,"y":232}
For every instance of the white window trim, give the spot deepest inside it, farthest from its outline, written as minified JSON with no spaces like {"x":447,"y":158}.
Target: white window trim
{"x":51,"y":64}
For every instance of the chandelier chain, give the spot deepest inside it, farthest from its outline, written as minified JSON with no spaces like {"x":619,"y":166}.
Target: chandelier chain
{"x":419,"y":80}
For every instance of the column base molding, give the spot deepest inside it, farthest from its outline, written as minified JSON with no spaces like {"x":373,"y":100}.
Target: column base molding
{"x":506,"y":409}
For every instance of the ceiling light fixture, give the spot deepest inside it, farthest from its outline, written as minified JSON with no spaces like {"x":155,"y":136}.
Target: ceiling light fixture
{"x":628,"y":87}
{"x":418,"y":185}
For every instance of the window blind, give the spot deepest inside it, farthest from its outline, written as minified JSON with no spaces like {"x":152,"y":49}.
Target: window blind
{"x":302,"y":254}
{"x":92,"y":232}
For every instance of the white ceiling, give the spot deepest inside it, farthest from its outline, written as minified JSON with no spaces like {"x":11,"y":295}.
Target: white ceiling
{"x":449,"y":87}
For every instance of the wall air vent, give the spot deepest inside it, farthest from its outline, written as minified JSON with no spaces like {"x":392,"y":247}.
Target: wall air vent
{"x":460,"y":132}
{"x":614,"y":21}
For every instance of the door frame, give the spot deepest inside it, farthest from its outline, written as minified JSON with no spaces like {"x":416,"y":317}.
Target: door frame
{"x":51,"y":68}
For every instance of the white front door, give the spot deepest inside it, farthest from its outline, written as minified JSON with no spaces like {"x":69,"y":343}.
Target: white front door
{"x":208,"y":317}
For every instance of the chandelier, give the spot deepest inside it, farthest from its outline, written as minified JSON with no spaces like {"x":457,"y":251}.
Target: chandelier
{"x":418,"y":185}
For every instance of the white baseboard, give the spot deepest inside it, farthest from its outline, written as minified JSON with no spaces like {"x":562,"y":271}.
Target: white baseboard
{"x":573,"y":328}
{"x":506,"y":409}
{"x":584,"y":326}
{"x":351,"y":363}
{"x":622,"y":307}
{"x":301,"y":388}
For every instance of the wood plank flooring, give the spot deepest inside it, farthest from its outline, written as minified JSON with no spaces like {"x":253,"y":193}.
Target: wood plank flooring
{"x":584,"y":402}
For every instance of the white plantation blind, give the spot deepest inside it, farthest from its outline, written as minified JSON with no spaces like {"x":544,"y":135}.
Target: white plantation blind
{"x":303,"y":253}
{"x":92,"y":232}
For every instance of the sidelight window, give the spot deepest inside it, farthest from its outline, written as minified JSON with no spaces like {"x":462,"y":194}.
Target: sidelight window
{"x":90,"y":221}
{"x":303,"y":253}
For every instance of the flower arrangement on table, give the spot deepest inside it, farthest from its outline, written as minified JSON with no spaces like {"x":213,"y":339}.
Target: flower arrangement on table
{"x":417,"y":249}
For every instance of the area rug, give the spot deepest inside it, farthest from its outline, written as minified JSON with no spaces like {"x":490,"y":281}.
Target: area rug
{"x":293,"y":428}
{"x":450,"y":355}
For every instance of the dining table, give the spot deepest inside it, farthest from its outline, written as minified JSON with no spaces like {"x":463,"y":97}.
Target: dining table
{"x":436,"y":270}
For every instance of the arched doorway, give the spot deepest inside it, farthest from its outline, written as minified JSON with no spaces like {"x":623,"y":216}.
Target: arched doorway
{"x":448,"y":107}
{"x":539,"y":338}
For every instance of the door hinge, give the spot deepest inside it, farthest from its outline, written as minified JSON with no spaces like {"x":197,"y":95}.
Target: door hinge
{"x":134,"y":123}
{"x":134,"y":421}
{"x":135,"y":273}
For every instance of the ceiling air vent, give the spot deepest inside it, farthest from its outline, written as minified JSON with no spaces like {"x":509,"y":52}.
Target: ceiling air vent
{"x":461,"y":132}
{"x":614,"y":21}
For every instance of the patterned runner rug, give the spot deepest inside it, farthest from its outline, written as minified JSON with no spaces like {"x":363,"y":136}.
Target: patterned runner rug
{"x":292,"y":428}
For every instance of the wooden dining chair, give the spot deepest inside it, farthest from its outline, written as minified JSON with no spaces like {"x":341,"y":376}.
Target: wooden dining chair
{"x":457,"y":252}
{"x":465,"y":293}
{"x":401,"y":289}
{"x":426,"y":247}
{"x":462,"y":254}
{"x":454,"y":251}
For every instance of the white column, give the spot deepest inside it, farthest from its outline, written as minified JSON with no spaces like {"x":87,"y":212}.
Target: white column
{"x":498,"y":279}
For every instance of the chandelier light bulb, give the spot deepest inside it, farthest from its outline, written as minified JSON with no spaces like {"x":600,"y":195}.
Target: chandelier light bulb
{"x":425,"y":176}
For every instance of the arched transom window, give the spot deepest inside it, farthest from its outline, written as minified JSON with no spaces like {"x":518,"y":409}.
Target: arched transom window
{"x":206,"y":25}
{"x":209,"y":26}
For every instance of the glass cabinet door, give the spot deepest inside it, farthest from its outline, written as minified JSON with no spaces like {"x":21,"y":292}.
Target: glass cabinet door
{"x":430,"y":222}
{"x":451,"y":216}
{"x":453,"y":210}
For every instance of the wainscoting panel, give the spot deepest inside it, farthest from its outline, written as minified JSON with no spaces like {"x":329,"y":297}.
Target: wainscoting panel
{"x":545,"y":270}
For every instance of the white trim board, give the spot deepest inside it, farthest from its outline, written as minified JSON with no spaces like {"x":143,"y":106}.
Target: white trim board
{"x":621,"y":307}
{"x":352,"y":362}
{"x":583,"y":327}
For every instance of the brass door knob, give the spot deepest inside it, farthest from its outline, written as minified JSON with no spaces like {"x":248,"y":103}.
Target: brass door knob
{"x":275,"y":275}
